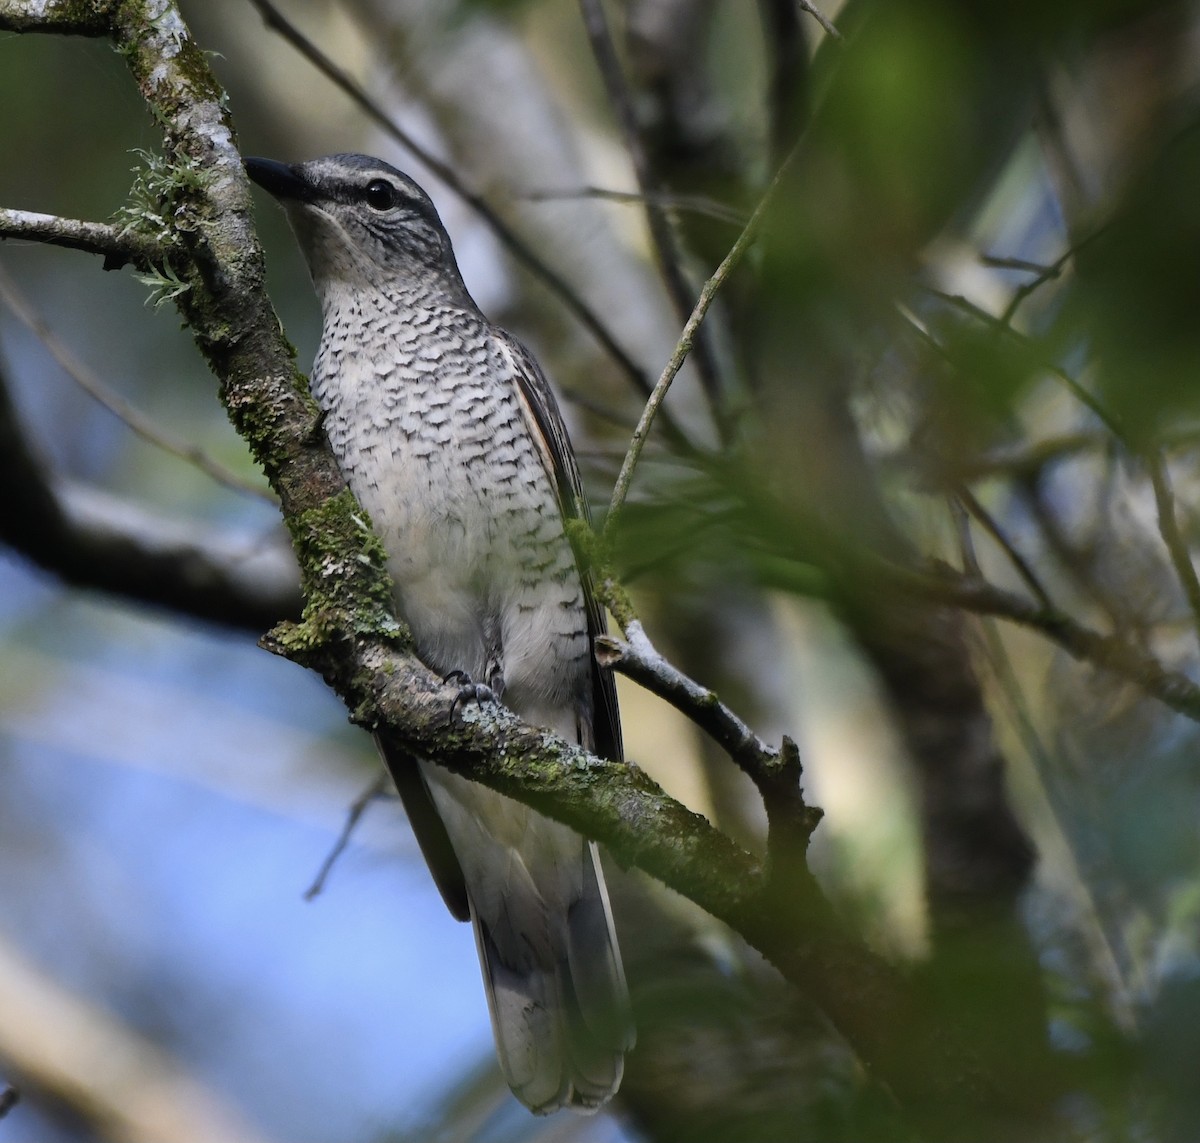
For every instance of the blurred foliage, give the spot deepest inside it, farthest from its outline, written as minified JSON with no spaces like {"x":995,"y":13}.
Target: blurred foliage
{"x":1138,"y":293}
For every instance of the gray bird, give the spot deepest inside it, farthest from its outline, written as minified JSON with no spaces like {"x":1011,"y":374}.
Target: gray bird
{"x":450,"y":438}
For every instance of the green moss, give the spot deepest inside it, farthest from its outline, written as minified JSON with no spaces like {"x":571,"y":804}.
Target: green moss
{"x":344,"y":570}
{"x":155,"y":195}
{"x":587,"y":544}
{"x":347,"y":591}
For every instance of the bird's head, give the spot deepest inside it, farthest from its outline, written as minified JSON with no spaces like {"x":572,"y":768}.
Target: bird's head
{"x":363,"y":224}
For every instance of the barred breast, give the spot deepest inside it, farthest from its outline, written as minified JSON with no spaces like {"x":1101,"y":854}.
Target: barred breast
{"x":425,"y":416}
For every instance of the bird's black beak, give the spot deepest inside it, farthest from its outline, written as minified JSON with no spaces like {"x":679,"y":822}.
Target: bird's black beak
{"x":280,"y":179}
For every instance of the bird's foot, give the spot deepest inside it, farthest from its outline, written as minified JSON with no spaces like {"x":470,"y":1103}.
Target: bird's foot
{"x":468,"y":691}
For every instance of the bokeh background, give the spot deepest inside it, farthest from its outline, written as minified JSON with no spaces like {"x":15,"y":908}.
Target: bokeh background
{"x":970,"y":336}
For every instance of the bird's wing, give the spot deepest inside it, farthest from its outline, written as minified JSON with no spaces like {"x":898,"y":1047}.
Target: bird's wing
{"x":547,"y":428}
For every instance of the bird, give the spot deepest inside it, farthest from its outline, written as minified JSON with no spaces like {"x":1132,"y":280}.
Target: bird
{"x":449,"y":436}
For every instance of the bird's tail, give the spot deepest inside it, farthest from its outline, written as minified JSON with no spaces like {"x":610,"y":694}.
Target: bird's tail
{"x":551,"y":965}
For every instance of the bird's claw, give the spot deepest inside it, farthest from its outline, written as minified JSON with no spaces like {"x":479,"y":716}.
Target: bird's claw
{"x":468,"y":691}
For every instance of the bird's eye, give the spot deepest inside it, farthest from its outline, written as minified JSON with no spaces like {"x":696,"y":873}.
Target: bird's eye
{"x":380,"y":195}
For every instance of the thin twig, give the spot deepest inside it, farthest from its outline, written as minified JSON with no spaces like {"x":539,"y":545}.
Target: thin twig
{"x":1110,"y":652}
{"x":993,"y":529}
{"x":694,"y":203}
{"x":1096,"y":932}
{"x":826,"y":23}
{"x":966,"y":543}
{"x":682,"y":348}
{"x":970,"y":593}
{"x":116,"y":246}
{"x":1079,"y":563}
{"x":775,"y":773}
{"x":137,"y":422}
{"x":1168,"y":528}
{"x":1003,"y":262}
{"x":662,"y":236}
{"x":1041,"y":274}
{"x":353,"y":816}
{"x":277,"y":22}
{"x":636,"y":657}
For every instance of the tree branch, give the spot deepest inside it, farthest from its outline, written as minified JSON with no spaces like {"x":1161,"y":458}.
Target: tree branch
{"x":638,"y":658}
{"x":117,"y":246}
{"x":971,"y":593}
{"x":827,"y":25}
{"x":1019,"y":462}
{"x":618,"y":805}
{"x":775,"y":773}
{"x":665,"y":200}
{"x":1110,"y":652}
{"x":97,"y":541}
{"x":64,"y":17}
{"x":1022,"y":566}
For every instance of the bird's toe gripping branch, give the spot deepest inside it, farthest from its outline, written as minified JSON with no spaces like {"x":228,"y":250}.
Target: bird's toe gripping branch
{"x":468,"y":691}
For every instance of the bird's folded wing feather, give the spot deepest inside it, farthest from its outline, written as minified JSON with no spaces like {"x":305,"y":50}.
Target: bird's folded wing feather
{"x":547,"y":428}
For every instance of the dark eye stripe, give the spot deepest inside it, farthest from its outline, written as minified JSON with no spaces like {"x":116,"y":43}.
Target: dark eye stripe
{"x":397,"y":202}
